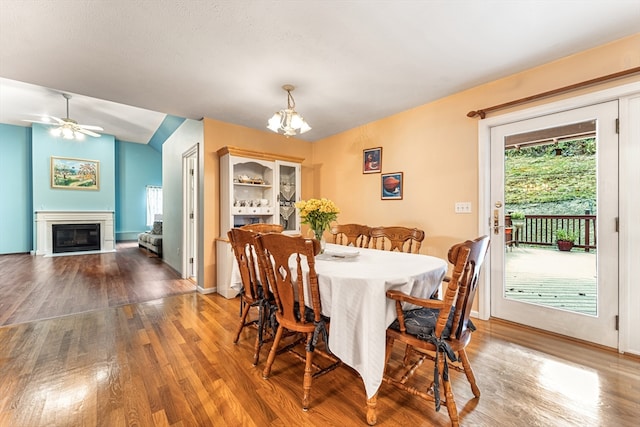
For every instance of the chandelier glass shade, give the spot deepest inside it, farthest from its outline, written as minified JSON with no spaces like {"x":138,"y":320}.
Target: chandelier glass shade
{"x":287,"y":121}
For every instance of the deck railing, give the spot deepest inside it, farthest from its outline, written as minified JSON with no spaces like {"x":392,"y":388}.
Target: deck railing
{"x":541,"y":230}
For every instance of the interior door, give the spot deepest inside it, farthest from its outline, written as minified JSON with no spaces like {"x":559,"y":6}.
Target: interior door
{"x":547,"y":271}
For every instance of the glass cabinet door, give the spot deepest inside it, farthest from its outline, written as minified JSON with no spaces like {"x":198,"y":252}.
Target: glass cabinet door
{"x":289,"y":193}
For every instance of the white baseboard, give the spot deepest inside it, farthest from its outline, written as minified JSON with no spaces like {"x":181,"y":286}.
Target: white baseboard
{"x":205,"y":290}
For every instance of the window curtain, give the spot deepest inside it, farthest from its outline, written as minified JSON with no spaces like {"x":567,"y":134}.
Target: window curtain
{"x":154,"y":203}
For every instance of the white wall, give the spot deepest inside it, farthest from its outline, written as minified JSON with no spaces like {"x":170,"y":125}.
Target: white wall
{"x":185,"y":137}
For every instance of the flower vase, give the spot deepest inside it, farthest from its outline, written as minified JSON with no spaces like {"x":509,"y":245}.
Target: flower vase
{"x":319,"y":235}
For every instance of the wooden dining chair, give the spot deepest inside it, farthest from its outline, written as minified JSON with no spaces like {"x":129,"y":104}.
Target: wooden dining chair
{"x":297,"y":303}
{"x":398,"y":238}
{"x":439,"y":330}
{"x":351,"y":235}
{"x":261,"y":227}
{"x":253,"y":294}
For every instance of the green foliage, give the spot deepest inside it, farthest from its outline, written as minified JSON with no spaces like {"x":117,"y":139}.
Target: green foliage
{"x":534,"y":175}
{"x":63,"y":181}
{"x":581,"y":147}
{"x":568,"y":236}
{"x":517,"y":215}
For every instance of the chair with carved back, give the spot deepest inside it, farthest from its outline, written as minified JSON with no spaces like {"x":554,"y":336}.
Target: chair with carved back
{"x":253,"y":294}
{"x":285,"y":260}
{"x":261,"y":227}
{"x":398,"y":238}
{"x":439,"y":330}
{"x":351,"y":235}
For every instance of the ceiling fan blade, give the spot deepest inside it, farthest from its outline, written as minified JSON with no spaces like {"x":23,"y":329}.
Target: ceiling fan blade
{"x":53,"y":121}
{"x":56,"y":119}
{"x":38,"y":121}
{"x":90,"y":127}
{"x":88,"y":132}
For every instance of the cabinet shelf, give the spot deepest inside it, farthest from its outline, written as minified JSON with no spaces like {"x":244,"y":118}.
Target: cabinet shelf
{"x":247,"y":184}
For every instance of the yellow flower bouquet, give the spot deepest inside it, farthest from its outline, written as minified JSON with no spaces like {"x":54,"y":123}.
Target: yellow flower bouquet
{"x":318,"y":213}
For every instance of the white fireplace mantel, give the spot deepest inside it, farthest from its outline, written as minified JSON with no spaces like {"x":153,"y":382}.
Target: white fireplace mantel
{"x":46,"y":219}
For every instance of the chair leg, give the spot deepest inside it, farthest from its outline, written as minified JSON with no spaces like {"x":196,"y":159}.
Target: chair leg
{"x":448,"y":393}
{"x":258,"y":343}
{"x":308,"y":375}
{"x":407,"y":354}
{"x":272,"y":353}
{"x":243,"y":319}
{"x":262,"y":324}
{"x":387,"y":352}
{"x":462,"y":355}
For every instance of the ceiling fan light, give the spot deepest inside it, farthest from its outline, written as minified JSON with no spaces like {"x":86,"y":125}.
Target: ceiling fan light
{"x":69,"y":128}
{"x":67,"y":133}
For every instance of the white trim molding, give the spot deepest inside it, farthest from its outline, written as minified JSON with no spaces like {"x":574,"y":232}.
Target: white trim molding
{"x":46,"y":219}
{"x":628,"y":164}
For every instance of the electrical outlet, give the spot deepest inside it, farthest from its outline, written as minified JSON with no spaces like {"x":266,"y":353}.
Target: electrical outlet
{"x":463,"y":207}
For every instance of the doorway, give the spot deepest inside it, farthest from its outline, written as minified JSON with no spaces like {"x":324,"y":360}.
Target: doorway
{"x":529,"y":274}
{"x":190,"y":213}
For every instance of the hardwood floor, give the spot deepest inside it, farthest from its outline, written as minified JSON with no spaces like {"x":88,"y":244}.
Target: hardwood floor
{"x":171,"y":362}
{"x":36,"y":287}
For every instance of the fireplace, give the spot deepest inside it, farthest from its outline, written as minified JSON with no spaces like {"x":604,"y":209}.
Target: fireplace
{"x":75,"y":237}
{"x":45,"y":238}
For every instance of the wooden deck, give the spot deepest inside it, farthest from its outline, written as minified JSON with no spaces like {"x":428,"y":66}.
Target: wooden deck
{"x":564,"y":280}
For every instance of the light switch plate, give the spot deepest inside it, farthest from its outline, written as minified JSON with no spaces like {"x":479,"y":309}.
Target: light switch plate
{"x":463,"y":207}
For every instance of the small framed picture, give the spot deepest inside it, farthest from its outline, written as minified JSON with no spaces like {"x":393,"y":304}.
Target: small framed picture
{"x":372,"y":160}
{"x":391,"y":184}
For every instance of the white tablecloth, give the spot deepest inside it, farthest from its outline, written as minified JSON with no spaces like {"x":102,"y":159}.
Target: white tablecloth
{"x":353,"y":291}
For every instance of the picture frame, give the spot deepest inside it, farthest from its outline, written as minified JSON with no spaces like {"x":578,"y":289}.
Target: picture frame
{"x":391,"y":186}
{"x":372,"y":160}
{"x":75,"y":174}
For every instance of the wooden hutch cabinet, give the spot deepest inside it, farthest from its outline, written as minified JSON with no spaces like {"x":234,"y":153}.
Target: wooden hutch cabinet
{"x":254,"y":187}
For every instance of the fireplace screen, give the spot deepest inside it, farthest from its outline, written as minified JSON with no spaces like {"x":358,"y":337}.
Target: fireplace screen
{"x":75,"y":237}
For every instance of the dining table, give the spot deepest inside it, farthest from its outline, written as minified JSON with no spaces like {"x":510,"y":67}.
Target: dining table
{"x":353,"y":284}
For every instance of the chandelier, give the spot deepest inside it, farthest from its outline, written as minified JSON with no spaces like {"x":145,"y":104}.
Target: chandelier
{"x":288,"y":122}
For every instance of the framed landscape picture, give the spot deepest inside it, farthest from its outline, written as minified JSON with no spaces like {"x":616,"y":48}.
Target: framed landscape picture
{"x":75,"y":174}
{"x":391,"y":186}
{"x":372,"y":160}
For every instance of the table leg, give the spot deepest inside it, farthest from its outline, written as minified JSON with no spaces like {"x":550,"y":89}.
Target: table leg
{"x":372,"y":417}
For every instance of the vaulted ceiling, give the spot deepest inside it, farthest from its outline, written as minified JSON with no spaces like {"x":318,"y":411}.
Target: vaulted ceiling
{"x":128,"y":63}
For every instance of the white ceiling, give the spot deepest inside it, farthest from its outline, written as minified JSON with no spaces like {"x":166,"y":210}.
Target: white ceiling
{"x":352,"y":62}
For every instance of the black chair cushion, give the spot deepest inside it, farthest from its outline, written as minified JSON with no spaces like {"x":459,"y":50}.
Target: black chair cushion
{"x":421,"y":322}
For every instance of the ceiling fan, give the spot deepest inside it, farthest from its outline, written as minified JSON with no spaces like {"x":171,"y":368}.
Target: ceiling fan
{"x":68,"y":128}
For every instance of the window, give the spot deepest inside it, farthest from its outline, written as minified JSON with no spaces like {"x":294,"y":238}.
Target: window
{"x":154,"y":203}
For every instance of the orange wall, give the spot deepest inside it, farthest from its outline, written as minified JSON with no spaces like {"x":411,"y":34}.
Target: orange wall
{"x":218,"y":134}
{"x":435,"y":145}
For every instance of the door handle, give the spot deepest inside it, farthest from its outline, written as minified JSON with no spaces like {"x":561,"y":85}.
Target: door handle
{"x":496,"y":221}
